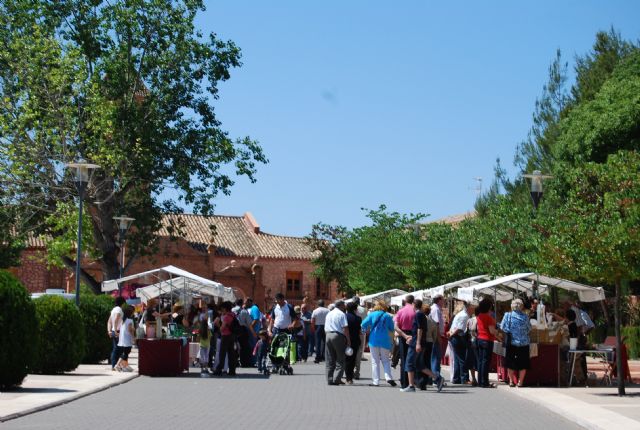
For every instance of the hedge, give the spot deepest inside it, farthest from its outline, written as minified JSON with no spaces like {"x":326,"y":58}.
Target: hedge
{"x":95,"y":311}
{"x":61,"y":344}
{"x":18,"y":340}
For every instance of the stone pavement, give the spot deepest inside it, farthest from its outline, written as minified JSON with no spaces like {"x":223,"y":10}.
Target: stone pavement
{"x":302,"y":400}
{"x":272,"y":402}
{"x":39,"y":392}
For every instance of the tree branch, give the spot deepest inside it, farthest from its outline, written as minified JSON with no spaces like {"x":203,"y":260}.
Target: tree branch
{"x":88,"y":279}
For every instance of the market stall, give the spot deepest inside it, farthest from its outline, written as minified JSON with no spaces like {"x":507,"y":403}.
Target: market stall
{"x":439,"y":290}
{"x":382,"y":295}
{"x":168,"y":353}
{"x":548,"y":338}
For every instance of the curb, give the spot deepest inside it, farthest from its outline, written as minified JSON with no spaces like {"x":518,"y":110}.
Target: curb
{"x":66,"y":400}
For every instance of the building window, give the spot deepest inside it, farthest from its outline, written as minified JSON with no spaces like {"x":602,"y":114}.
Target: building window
{"x":321,"y":291}
{"x":294,"y":281}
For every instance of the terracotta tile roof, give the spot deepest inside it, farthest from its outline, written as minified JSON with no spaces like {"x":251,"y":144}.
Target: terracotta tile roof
{"x":237,"y":236}
{"x":455,"y":219}
{"x":35,"y":242}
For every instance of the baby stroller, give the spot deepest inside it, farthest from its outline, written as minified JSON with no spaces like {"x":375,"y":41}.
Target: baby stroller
{"x":279,"y":354}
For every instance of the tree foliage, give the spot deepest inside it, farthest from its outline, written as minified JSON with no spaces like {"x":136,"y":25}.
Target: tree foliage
{"x":127,"y":85}
{"x":330,"y":263}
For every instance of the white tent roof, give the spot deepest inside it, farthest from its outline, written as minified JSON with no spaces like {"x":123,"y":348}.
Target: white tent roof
{"x":183,"y":279}
{"x":184,"y":286}
{"x":504,"y":288}
{"x":586,"y":293}
{"x":441,"y":289}
{"x":383,"y":295}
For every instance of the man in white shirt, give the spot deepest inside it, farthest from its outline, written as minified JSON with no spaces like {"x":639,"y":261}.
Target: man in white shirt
{"x":337,"y":340}
{"x":114,"y":323}
{"x":317,"y":326}
{"x":283,"y":317}
{"x":438,"y":317}
{"x":458,"y":340}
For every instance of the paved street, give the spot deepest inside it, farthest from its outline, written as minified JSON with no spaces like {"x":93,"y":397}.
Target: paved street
{"x":289,"y":402}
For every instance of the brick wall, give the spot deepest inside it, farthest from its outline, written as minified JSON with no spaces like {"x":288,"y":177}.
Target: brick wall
{"x":261,"y":278}
{"x":34,"y":273}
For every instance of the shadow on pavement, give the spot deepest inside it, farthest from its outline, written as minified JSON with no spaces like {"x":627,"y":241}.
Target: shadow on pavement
{"x":238,"y":376}
{"x":616,"y":394}
{"x":39,"y":390}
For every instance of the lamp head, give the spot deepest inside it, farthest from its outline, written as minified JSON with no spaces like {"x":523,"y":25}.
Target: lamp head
{"x":82,"y":171}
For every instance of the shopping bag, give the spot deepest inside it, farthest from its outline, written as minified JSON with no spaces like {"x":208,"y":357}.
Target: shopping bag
{"x":533,"y":350}
{"x":499,"y":349}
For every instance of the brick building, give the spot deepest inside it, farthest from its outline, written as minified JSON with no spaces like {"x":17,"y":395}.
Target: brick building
{"x":229,"y":249}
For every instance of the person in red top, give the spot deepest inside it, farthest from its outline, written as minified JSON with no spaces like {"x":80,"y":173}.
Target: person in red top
{"x":486,"y":326}
{"x":403,"y":326}
{"x":227,"y":340}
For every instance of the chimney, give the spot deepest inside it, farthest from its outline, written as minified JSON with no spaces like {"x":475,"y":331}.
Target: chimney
{"x":251,"y":222}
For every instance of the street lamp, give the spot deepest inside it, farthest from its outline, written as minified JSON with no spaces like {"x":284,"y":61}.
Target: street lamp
{"x":536,"y":178}
{"x":124,"y":222}
{"x":82,"y":176}
{"x":536,"y":186}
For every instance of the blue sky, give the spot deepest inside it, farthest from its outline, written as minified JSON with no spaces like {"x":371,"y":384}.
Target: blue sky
{"x":360,"y":103}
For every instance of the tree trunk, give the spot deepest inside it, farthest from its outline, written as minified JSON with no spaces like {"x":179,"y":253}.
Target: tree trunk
{"x":84,"y":276}
{"x":621,"y":390}
{"x":105,"y":230}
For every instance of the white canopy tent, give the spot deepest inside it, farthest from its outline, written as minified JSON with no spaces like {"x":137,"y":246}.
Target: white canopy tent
{"x":507,"y":287}
{"x":440,"y":289}
{"x":502,"y":289}
{"x":383,"y":295}
{"x":184,"y":287}
{"x":179,"y":280}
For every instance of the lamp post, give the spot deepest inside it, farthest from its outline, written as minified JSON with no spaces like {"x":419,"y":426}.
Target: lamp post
{"x":536,"y":192}
{"x":82,"y":176}
{"x":124,"y":223}
{"x":536,"y":186}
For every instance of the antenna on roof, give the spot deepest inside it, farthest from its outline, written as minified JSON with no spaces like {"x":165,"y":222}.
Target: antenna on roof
{"x":478,"y":187}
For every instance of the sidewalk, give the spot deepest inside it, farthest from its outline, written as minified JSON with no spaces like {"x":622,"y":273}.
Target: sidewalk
{"x":39,"y":392}
{"x":597,"y":408}
{"x":594,"y":408}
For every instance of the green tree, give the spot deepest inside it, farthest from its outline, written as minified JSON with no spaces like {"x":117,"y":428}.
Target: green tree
{"x":594,"y":68}
{"x":128,"y":85}
{"x":535,"y":151}
{"x":435,"y":256}
{"x":606,"y":124}
{"x":379,"y":254}
{"x":330,"y":263}
{"x":11,"y":244}
{"x":598,"y":229}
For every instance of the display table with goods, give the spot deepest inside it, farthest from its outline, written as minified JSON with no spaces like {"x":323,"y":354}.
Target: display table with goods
{"x":546,"y":367}
{"x":163,"y":357}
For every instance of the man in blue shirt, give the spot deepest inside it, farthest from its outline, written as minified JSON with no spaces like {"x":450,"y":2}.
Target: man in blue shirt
{"x":255,"y":325}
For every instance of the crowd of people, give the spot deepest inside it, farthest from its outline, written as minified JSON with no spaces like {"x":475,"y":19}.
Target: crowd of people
{"x":415,"y":338}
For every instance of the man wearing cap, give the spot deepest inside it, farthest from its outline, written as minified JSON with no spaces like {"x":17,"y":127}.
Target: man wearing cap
{"x":336,"y":328}
{"x":403,"y":325}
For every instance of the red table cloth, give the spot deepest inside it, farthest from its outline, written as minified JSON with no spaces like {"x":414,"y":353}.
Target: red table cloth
{"x":162,"y":357}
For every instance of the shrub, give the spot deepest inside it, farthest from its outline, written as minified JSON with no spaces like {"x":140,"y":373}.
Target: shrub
{"x":18,"y":338}
{"x":632,"y":341}
{"x":60,"y":334}
{"x":95,"y":311}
